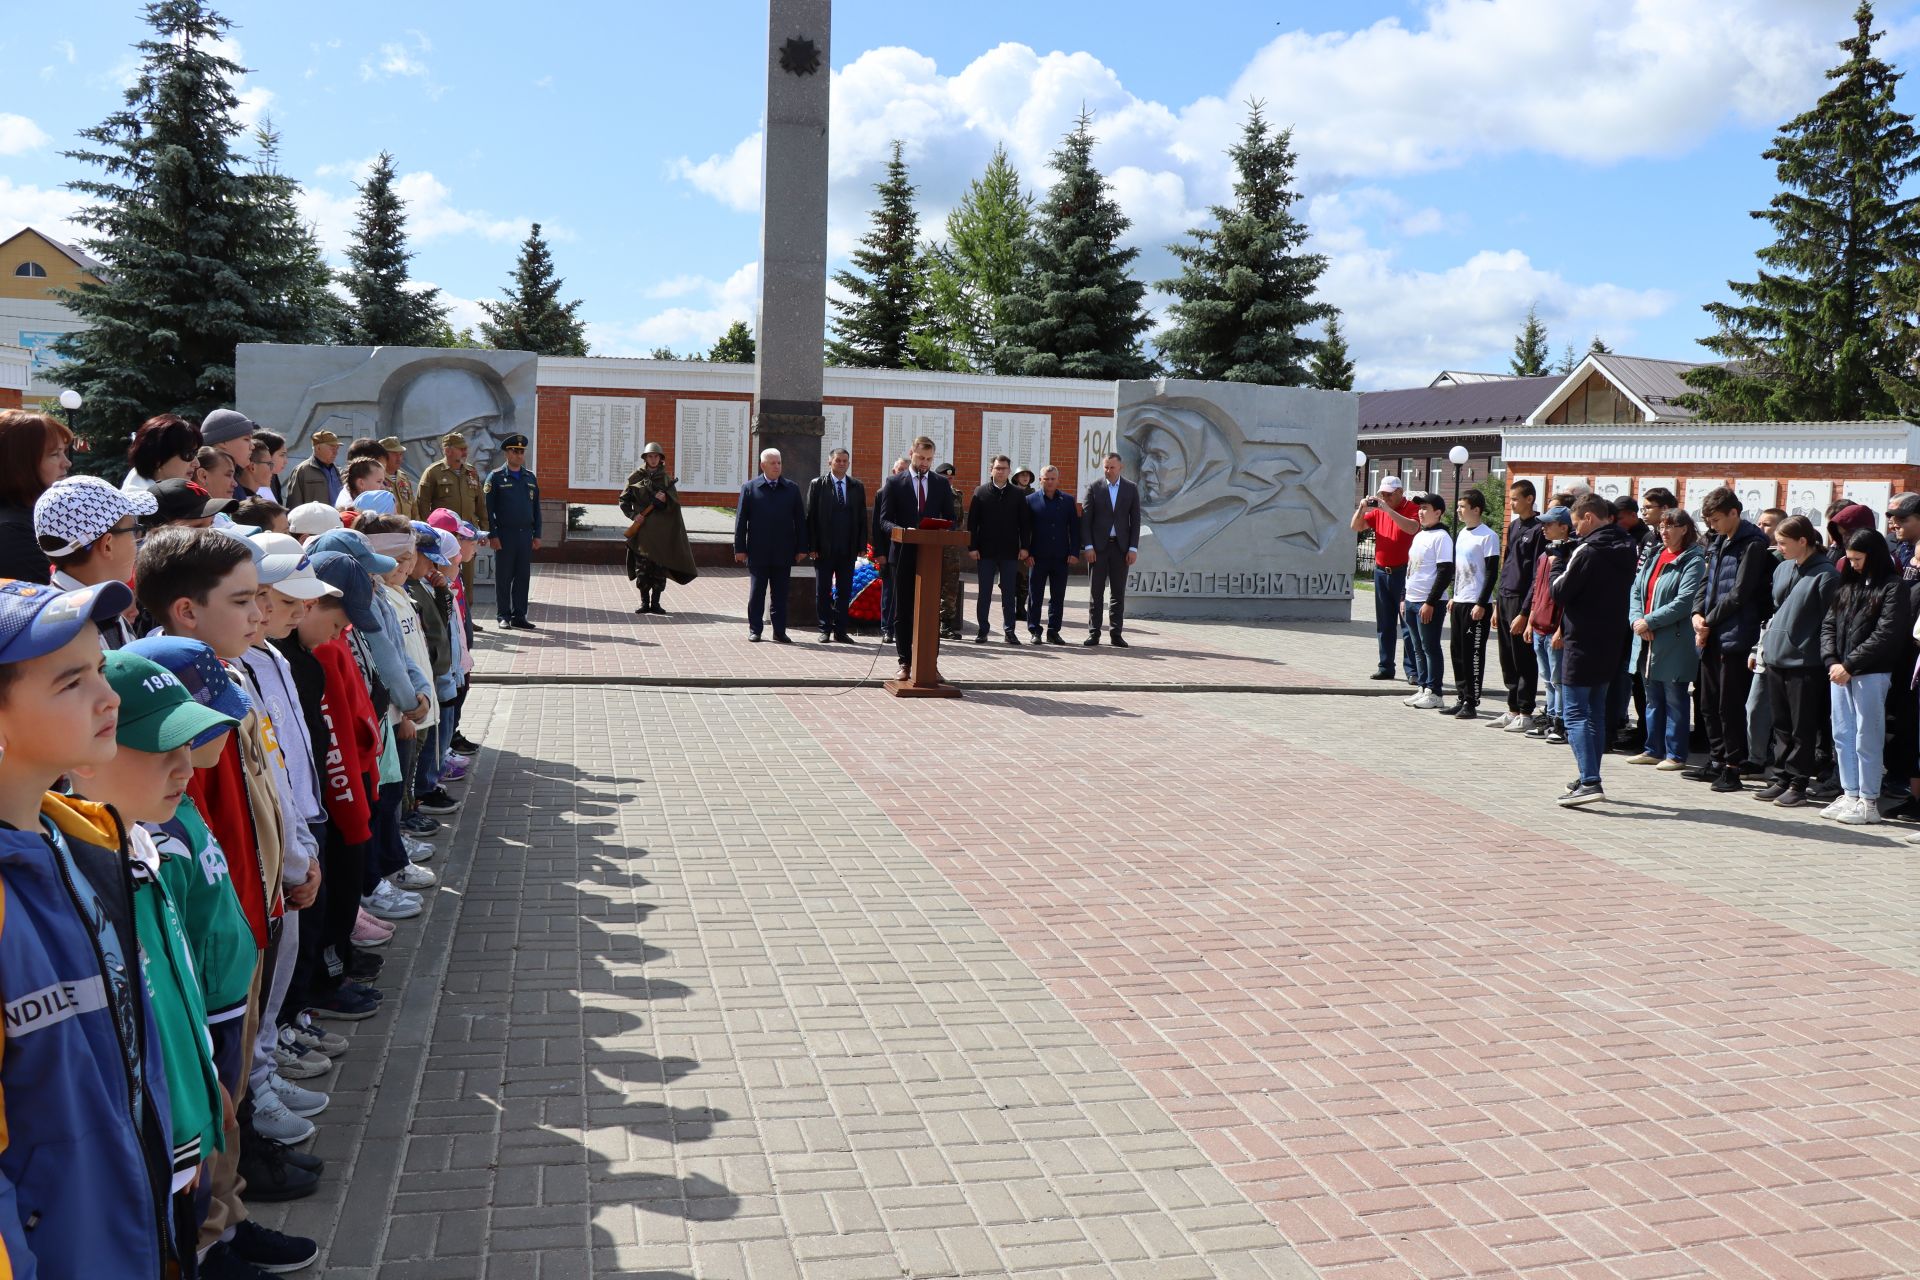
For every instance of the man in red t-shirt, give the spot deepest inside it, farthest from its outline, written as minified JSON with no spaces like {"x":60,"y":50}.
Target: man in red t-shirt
{"x":1390,"y":516}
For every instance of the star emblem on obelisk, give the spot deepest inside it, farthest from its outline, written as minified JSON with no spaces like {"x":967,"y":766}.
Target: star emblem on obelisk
{"x":800,"y":56}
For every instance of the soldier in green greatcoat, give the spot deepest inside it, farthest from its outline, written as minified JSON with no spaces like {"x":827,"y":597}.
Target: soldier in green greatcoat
{"x":657,"y":546}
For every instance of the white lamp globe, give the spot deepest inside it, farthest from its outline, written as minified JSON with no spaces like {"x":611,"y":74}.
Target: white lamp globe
{"x":1457,"y":455}
{"x":70,"y":399}
{"x":1359,"y":458}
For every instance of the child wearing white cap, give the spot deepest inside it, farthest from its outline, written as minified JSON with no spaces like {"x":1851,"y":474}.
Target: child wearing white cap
{"x":87,"y":530}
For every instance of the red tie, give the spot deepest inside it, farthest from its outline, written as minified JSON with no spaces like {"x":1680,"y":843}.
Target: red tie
{"x":920,"y":488}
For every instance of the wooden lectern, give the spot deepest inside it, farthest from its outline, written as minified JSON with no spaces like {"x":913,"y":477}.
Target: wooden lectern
{"x":924,"y":679}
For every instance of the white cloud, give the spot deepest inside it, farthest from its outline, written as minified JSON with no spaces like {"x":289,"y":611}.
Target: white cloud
{"x":254,"y":104}
{"x":462,"y":313}
{"x":431,"y":212}
{"x":692,"y":326}
{"x":47,"y":208}
{"x":18,"y":134}
{"x":732,"y":179}
{"x":66,"y":50}
{"x":399,"y":58}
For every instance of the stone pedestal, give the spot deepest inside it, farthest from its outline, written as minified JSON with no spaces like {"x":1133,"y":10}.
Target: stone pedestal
{"x":1241,"y":493}
{"x":796,"y":435}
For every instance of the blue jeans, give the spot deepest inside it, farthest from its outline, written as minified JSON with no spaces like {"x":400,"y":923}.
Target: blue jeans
{"x":1549,"y":659}
{"x":1429,"y":672}
{"x":1389,"y":589}
{"x":1586,"y":715}
{"x":1859,"y":732}
{"x":1008,"y":573}
{"x":1668,"y":704}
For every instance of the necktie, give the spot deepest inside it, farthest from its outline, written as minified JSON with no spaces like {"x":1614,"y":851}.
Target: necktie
{"x":840,"y":491}
{"x":920,"y":489}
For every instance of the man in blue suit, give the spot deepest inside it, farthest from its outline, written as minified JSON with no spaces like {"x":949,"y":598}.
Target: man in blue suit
{"x":905,"y":499}
{"x":769,"y":537}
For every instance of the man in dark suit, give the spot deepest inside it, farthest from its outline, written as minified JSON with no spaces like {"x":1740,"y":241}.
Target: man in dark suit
{"x":837,"y":532}
{"x":881,"y":563}
{"x":905,"y":500}
{"x":769,"y":537}
{"x":1001,"y":530}
{"x":1112,"y":530}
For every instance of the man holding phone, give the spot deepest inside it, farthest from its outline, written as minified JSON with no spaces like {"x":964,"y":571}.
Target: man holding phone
{"x":1391,"y":517}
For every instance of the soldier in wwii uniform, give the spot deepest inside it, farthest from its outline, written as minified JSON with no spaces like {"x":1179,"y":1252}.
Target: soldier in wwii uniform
{"x":657,"y":546}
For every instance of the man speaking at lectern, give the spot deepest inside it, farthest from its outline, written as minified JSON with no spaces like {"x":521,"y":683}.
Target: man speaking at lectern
{"x":905,"y":500}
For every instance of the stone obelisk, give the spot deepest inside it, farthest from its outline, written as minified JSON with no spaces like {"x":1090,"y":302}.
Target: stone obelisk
{"x":793,"y":236}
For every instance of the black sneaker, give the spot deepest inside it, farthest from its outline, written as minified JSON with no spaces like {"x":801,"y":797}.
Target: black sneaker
{"x":1468,"y":711}
{"x":271,"y":1180}
{"x":463,"y":745}
{"x":419,"y":824}
{"x":1450,"y":709}
{"x":1091,"y":640}
{"x":1540,"y":730}
{"x":1013,"y":638}
{"x":1771,"y":792}
{"x":1381,"y":675}
{"x":1584,"y":793}
{"x":1907,"y":810}
{"x":222,"y":1263}
{"x":1791,"y":798}
{"x":1054,"y":637}
{"x":343,"y":1004}
{"x":437,"y":801}
{"x":1702,"y":773}
{"x":1823,"y":791}
{"x":249,"y":1136}
{"x":366,"y":966}
{"x":1729,"y":780}
{"x":1556,"y":736}
{"x":521,"y":624}
{"x":980,"y":637}
{"x":272,"y":1251}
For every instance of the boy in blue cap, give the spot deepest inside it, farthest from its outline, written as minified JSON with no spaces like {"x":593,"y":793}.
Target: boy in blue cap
{"x":84,"y":1109}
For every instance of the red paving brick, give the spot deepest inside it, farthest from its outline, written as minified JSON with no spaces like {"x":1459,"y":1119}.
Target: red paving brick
{"x":1426,"y":1042}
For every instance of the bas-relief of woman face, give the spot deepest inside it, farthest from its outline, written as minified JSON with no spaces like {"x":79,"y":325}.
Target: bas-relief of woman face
{"x":1163,"y":466}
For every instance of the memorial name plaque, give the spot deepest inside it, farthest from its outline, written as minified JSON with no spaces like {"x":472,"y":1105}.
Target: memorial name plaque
{"x":839,"y":433}
{"x":901,"y":426}
{"x":1241,"y":489}
{"x":1698,"y":487}
{"x":1026,"y":439}
{"x":710,"y":445}
{"x":1669,"y":483}
{"x":607,"y":434}
{"x":1871,"y":494}
{"x":1809,"y":498}
{"x":1613,"y":487}
{"x":1756,"y":496}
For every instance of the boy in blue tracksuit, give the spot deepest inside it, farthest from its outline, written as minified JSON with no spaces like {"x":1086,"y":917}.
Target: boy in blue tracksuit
{"x":85,"y":1148}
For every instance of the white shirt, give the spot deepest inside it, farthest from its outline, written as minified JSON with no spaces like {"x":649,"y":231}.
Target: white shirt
{"x":1431,"y":549}
{"x":1471,"y":551}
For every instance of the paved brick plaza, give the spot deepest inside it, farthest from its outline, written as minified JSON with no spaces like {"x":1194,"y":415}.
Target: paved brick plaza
{"x":758,"y":983}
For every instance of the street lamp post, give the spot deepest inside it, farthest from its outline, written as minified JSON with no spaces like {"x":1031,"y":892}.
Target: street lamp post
{"x":1458,"y":457}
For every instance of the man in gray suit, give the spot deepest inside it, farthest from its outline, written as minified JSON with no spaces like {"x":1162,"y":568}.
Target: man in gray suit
{"x":1112,"y":529}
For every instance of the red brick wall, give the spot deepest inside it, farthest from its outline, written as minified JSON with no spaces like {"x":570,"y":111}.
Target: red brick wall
{"x":10,"y":398}
{"x":869,"y":432}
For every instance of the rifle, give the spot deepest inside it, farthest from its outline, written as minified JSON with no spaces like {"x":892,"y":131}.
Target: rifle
{"x":638,"y":520}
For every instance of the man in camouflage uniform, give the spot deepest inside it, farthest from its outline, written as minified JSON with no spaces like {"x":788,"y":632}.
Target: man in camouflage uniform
{"x":453,"y":484}
{"x":399,"y":483}
{"x":953,"y":565}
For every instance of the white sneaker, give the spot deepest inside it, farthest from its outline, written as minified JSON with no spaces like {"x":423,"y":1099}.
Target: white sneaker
{"x":1501,"y":721}
{"x":417,"y":850}
{"x":297,"y":1063}
{"x":1520,"y":724}
{"x":1839,"y":807}
{"x":1427,"y":701}
{"x":1865,"y":813}
{"x":302,"y":1102}
{"x":413,"y":877}
{"x":1413,"y":697}
{"x":271,"y":1119}
{"x":388,"y":903}
{"x":310,"y":1035}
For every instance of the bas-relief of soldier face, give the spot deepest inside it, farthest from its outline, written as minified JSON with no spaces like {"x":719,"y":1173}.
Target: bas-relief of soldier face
{"x":443,"y":400}
{"x":1163,"y":466}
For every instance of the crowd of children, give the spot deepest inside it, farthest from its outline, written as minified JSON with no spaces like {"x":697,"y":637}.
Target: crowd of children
{"x":223,"y":747}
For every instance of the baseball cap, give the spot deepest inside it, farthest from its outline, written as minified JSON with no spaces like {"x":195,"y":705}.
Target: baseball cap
{"x":157,"y":714}
{"x":449,"y":547}
{"x":323,"y":437}
{"x":376,"y":502}
{"x":1391,"y":485}
{"x":311,"y":519}
{"x":181,"y":499}
{"x":195,"y":666}
{"x":426,"y":540}
{"x":1557,"y":515}
{"x":37,"y":620}
{"x":353,"y":544}
{"x":223,"y":425}
{"x":344,"y":574}
{"x":80,"y":510}
{"x":285,"y":567}
{"x":393,"y":444}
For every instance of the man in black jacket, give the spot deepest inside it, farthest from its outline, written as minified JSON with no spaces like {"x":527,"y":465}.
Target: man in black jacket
{"x":1734,"y":600}
{"x":1518,"y":666}
{"x":906,"y":499}
{"x":1592,"y":594}
{"x":837,"y":534}
{"x":1002,"y":531}
{"x":1903,"y":726}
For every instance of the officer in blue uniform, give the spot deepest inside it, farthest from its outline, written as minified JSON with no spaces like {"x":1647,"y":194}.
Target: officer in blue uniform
{"x":513,"y":525}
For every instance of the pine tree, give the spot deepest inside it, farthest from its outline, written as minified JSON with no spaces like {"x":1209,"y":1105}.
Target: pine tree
{"x":886,"y":295}
{"x":735,"y":346}
{"x":1332,"y":369}
{"x":532,"y":317}
{"x":194,"y":266}
{"x":385,"y":311}
{"x":1077,"y":311}
{"x":1530,"y":350}
{"x":986,"y":248}
{"x":1818,"y":334}
{"x":1246,"y":290}
{"x":1598,"y":348}
{"x":293,"y":267}
{"x":662,"y":353}
{"x":1569,"y":361}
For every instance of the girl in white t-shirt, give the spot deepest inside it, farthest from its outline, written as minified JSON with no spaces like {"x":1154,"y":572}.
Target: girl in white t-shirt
{"x":1429,"y":572}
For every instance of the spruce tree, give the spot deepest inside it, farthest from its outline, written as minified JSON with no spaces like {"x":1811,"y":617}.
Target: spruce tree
{"x":1332,"y":368}
{"x":735,"y":346}
{"x":1246,"y":289}
{"x":1569,"y":360}
{"x":532,"y":317}
{"x":1598,"y":348}
{"x":385,"y":312}
{"x":969,"y":276}
{"x":1077,"y":310}
{"x":1530,"y":350}
{"x":886,"y":293}
{"x":292,"y":266}
{"x":1812,"y":337}
{"x":177,"y":219}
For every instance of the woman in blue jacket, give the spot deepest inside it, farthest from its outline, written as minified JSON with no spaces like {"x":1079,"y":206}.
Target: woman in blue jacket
{"x":1661,"y":610}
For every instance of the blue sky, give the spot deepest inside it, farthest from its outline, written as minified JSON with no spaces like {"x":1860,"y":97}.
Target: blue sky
{"x":1459,"y":158}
